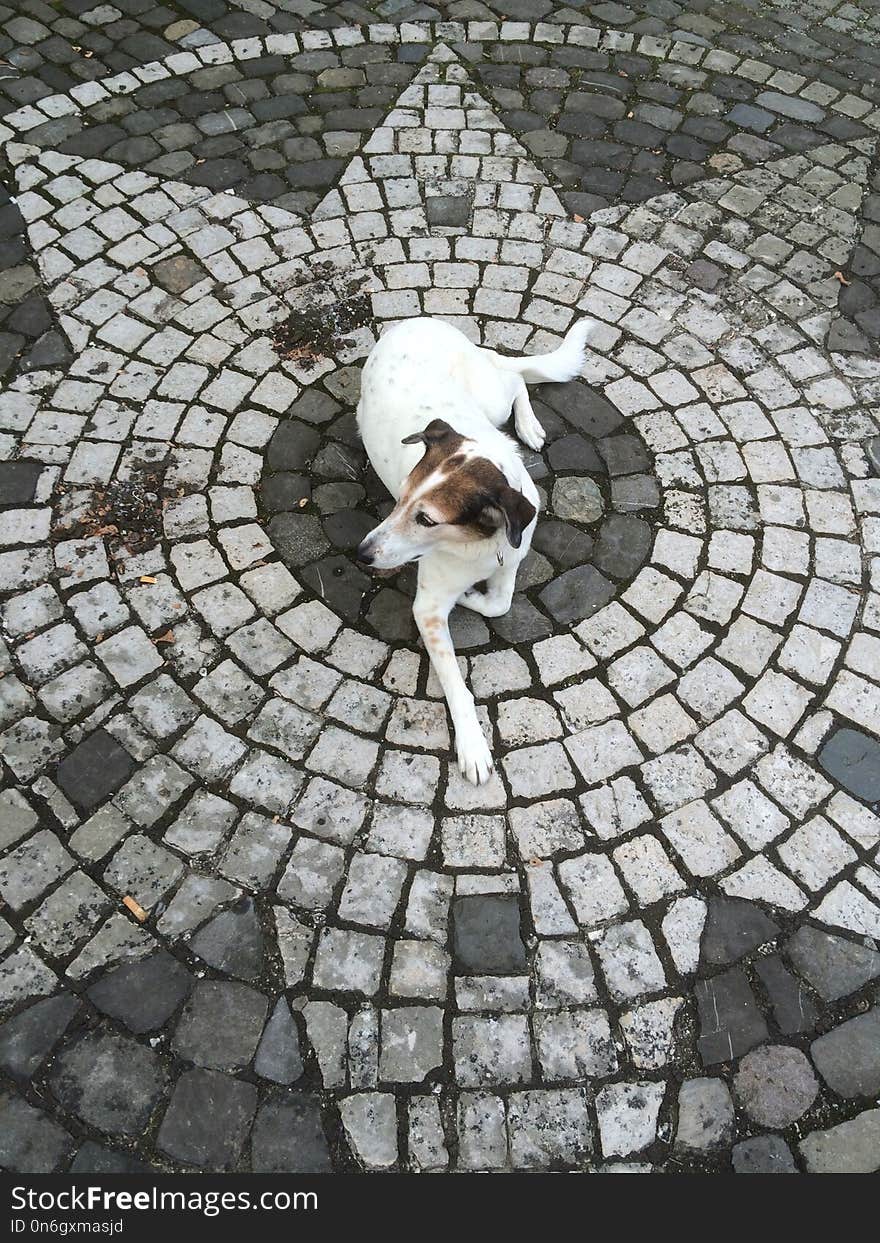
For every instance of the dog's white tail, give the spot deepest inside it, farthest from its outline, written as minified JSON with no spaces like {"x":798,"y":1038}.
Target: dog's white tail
{"x":563,"y":364}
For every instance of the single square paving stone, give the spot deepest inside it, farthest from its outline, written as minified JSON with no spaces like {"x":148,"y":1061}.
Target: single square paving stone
{"x":110,"y":1082}
{"x":853,"y":759}
{"x":94,"y":770}
{"x":143,"y":870}
{"x":627,"y":1114}
{"x":208,"y":1119}
{"x":31,"y":868}
{"x":232,"y":941}
{"x":574,"y":1045}
{"x":143,"y":995}
{"x":834,"y":966}
{"x":16,"y":818}
{"x":30,"y":1142}
{"x":629,"y":961}
{"x":486,"y":934}
{"x":850,"y":1148}
{"x":278,"y":1057}
{"x":411,"y":1043}
{"x":349,"y":961}
{"x":775,"y":1085}
{"x":705,"y":1115}
{"x":565,"y":974}
{"x":734,"y":927}
{"x":491,"y":1050}
{"x":221,"y":1025}
{"x":848,"y":1058}
{"x":548,"y":1129}
{"x":27,"y":1039}
{"x":18,"y":481}
{"x":730,"y":1021}
{"x":24,"y":975}
{"x":288,"y":1137}
{"x":370,"y":1123}
{"x":765,"y":1154}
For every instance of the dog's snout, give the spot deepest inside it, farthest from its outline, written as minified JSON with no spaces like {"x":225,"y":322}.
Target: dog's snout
{"x":364,"y":553}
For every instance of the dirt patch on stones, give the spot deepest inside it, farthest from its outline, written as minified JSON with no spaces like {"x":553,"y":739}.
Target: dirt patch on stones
{"x":129,"y":510}
{"x":320,"y":332}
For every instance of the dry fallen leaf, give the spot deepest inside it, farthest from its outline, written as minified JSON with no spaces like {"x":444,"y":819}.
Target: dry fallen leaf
{"x":839,"y":276}
{"x":167,"y":637}
{"x":135,"y":907}
{"x":578,"y":219}
{"x":146,"y":578}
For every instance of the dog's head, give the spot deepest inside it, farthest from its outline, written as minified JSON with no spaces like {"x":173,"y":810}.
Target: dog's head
{"x":452,"y":496}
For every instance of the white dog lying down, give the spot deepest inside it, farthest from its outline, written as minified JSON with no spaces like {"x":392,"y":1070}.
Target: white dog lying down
{"x":429,"y":414}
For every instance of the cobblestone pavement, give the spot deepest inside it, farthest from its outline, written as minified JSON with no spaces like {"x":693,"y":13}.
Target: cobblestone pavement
{"x":252,"y":917}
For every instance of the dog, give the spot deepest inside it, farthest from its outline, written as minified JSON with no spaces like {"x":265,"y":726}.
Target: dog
{"x":431,"y":407}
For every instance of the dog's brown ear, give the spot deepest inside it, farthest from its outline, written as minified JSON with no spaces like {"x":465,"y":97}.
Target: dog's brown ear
{"x":435,"y":433}
{"x":510,"y":509}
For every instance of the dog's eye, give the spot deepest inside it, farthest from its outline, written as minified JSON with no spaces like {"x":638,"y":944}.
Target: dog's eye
{"x":424,"y":521}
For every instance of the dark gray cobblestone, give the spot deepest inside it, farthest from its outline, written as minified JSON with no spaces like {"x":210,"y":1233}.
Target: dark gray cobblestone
{"x":252,"y":916}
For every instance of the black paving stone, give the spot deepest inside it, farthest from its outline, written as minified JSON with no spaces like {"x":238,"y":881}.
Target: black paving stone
{"x":848,"y":1058}
{"x":449,"y":210}
{"x":293,"y":446}
{"x":27,"y":1039}
{"x":853,"y":759}
{"x":298,"y":537}
{"x":288,"y":1137}
{"x":284,"y":491}
{"x":221,"y":1025}
{"x":109,"y":1081}
{"x":30,"y":1142}
{"x":232,"y":942}
{"x":178,"y":273}
{"x":765,"y":1154}
{"x":834,"y":966}
{"x":631,"y":493}
{"x":581,"y":407}
{"x":143,"y":995}
{"x":730,"y":1021}
{"x":793,"y":1007}
{"x":93,"y":1158}
{"x":487,"y":939}
{"x":468,"y":629}
{"x":18,"y":481}
{"x":278,"y":1057}
{"x":523,"y":623}
{"x":734,"y":927}
{"x":337,"y":582}
{"x":390,"y":616}
{"x":207,"y":1121}
{"x":93,"y":770}
{"x":574,"y":452}
{"x":623,"y":545}
{"x":566,"y":545}
{"x":623,"y":455}
{"x":577,"y":594}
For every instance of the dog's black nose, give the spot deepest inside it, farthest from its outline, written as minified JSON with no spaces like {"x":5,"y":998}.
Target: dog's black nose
{"x":363,"y":554}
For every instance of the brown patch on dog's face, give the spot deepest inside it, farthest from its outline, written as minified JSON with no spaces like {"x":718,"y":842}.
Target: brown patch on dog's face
{"x":452,"y":495}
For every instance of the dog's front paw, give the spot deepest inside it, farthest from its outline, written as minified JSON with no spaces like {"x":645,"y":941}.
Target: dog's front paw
{"x":474,"y":756}
{"x":530,"y":431}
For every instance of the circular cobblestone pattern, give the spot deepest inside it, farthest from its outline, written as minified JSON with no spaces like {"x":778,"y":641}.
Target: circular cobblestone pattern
{"x":252,"y":917}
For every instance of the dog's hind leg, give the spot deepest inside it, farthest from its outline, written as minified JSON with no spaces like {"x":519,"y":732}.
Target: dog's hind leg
{"x":431,"y":612}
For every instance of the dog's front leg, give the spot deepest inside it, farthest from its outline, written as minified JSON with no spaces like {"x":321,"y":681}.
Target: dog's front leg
{"x":431,"y":611}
